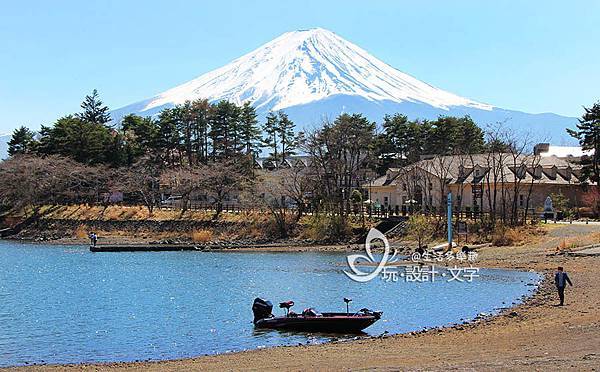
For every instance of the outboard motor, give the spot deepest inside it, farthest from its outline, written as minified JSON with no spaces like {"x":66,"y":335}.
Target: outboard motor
{"x":261,"y":309}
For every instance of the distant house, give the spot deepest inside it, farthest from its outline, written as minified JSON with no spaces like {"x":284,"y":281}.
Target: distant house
{"x":480,"y":182}
{"x":571,"y":153}
{"x":269,"y":164}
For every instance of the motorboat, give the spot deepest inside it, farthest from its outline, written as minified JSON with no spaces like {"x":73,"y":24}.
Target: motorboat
{"x":311,"y":320}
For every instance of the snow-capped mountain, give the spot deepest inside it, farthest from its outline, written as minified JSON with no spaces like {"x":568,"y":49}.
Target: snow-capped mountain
{"x":315,"y":73}
{"x":4,"y":138}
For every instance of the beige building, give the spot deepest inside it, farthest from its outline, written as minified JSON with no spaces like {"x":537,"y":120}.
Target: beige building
{"x":484,"y":182}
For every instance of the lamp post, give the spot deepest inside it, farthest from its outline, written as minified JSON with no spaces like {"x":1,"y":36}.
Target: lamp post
{"x":449,"y":214}
{"x":370,"y":197}
{"x":343,"y":201}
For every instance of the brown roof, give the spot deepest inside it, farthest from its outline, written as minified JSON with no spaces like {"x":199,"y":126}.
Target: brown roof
{"x":474,"y":169}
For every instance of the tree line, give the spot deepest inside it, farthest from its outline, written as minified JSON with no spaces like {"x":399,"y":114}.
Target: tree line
{"x":207,"y":150}
{"x":192,"y":133}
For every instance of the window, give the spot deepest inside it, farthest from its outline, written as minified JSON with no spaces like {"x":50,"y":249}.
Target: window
{"x":521,"y":200}
{"x":385,"y":200}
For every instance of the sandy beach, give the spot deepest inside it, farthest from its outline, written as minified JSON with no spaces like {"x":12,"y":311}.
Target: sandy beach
{"x":536,"y":335}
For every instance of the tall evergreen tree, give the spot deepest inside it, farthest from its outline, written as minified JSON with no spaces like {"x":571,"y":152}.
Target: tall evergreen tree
{"x":452,"y":135}
{"x":168,"y":136}
{"x":142,"y":132}
{"x":470,"y":138}
{"x":588,"y":134}
{"x":250,"y":133}
{"x":201,"y":109}
{"x":21,"y":142}
{"x":224,"y":129}
{"x":271,"y":135}
{"x":287,"y":135}
{"x":405,"y":139}
{"x":81,"y":140}
{"x":442,"y":137}
{"x":184,"y":118}
{"x":93,"y":110}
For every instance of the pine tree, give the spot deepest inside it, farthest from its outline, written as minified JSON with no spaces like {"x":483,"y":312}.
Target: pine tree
{"x":250,"y":133}
{"x":168,"y":136}
{"x":142,"y":131}
{"x":21,"y":142}
{"x":403,"y":140}
{"x":224,"y":129}
{"x":287,"y":136}
{"x":184,"y":119}
{"x":81,"y":140}
{"x":200,"y":113}
{"x":588,"y":134}
{"x":470,"y":138}
{"x":94,"y":110}
{"x":271,"y":131}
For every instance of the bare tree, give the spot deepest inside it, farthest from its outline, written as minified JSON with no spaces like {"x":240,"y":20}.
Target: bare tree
{"x":143,"y":180}
{"x":28,"y":182}
{"x":532,"y":162}
{"x":496,"y":161}
{"x":517,"y":147}
{"x":339,"y":152}
{"x":441,"y":166}
{"x":225,"y":179}
{"x":296,"y":184}
{"x":186,"y":181}
{"x":271,"y":192}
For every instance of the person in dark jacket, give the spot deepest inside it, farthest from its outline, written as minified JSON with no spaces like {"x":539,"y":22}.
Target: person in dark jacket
{"x":561,"y":279}
{"x":93,"y":239}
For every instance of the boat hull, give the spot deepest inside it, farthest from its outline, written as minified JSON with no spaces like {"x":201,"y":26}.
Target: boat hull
{"x":328,"y":322}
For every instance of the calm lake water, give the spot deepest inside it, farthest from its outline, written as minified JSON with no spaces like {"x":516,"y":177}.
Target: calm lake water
{"x":63,"y":304}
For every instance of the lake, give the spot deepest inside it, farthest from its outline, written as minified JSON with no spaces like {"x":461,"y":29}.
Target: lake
{"x":63,"y":304}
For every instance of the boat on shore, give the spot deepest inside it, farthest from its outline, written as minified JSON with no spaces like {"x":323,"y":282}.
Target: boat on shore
{"x":312,"y":321}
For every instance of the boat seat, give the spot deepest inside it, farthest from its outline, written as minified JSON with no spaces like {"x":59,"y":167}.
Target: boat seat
{"x":311,"y":312}
{"x":286,"y":305}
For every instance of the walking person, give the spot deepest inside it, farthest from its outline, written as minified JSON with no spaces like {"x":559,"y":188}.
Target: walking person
{"x":93,"y":238}
{"x":561,"y":279}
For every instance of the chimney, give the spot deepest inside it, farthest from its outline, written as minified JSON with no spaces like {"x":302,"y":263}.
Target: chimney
{"x":541,"y":147}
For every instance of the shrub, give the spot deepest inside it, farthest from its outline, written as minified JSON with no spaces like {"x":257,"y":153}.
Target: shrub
{"x":202,"y":236}
{"x":81,"y":232}
{"x":420,"y":229}
{"x":566,"y":245}
{"x":503,"y":236}
{"x":327,"y":228}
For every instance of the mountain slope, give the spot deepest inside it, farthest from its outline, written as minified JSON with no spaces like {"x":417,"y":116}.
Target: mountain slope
{"x":4,"y":138}
{"x":315,"y":73}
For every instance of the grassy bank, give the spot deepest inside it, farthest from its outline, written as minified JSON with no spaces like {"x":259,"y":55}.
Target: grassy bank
{"x":122,"y":224}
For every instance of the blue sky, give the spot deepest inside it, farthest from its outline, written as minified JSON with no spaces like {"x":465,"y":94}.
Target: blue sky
{"x":533,"y":56}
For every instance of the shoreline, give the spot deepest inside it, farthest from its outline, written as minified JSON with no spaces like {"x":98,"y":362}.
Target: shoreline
{"x":533,"y":334}
{"x":479,"y":320}
{"x":275,"y":247}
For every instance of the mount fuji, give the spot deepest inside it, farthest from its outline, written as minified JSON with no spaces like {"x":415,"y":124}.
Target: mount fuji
{"x":315,"y":74}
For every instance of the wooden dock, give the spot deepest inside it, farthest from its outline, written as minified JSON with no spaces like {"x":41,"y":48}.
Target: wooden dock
{"x":184,"y":247}
{"x":146,"y":247}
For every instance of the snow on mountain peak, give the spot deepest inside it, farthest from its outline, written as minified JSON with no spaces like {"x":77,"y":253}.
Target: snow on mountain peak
{"x":303,"y":66}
